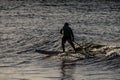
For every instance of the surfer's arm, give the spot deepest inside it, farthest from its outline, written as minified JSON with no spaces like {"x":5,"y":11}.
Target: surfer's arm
{"x":72,"y":35}
{"x":61,"y":31}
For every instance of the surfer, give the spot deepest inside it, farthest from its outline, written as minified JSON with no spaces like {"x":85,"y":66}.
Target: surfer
{"x":67,"y":36}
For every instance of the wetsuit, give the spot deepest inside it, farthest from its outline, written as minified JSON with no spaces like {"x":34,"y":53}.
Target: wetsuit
{"x":67,"y":36}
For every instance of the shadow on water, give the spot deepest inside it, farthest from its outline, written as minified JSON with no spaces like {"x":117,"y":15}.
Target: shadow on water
{"x":50,"y":53}
{"x":67,"y":70}
{"x":47,"y":53}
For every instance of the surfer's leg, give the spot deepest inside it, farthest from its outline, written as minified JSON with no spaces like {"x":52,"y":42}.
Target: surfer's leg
{"x":71,"y":43}
{"x":63,"y":43}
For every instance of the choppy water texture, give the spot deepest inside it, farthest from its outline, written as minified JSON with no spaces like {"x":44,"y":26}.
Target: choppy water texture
{"x":29,"y":25}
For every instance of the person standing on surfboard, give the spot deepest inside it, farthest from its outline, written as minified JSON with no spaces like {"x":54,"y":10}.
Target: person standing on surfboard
{"x":67,"y":36}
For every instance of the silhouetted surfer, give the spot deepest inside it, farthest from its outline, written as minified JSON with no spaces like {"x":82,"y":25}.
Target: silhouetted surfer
{"x":67,"y":36}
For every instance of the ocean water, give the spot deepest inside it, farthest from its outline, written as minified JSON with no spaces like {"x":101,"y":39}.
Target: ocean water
{"x":29,"y":25}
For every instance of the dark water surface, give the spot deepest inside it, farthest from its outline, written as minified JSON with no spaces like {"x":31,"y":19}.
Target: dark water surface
{"x":29,"y":25}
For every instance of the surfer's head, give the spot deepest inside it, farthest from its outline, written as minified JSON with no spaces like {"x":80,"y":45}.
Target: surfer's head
{"x":66,"y":24}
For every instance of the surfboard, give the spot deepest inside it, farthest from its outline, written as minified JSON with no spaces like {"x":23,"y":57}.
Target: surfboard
{"x":71,"y":56}
{"x":67,"y":56}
